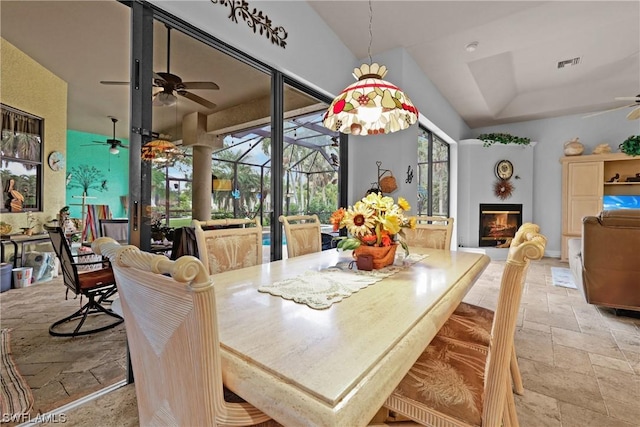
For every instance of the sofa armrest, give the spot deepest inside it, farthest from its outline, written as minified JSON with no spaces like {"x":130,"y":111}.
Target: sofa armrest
{"x":610,"y":253}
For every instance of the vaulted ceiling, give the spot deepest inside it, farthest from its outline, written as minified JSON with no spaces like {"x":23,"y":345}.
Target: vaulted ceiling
{"x":513,"y":73}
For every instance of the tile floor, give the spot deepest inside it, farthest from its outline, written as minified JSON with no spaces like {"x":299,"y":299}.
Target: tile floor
{"x":580,"y":364}
{"x":58,"y":369}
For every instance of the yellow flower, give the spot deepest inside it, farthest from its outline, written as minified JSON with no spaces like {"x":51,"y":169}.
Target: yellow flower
{"x":404,"y":205}
{"x":392,"y":223}
{"x":359,"y":219}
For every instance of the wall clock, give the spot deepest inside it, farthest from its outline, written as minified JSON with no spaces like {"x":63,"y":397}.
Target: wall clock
{"x":56,"y":161}
{"x":504,"y":169}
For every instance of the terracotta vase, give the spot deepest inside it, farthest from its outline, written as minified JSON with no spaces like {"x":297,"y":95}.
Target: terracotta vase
{"x":382,"y":256}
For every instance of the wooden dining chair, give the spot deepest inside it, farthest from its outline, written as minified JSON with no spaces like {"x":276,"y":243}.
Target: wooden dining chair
{"x":472,"y":324}
{"x":228,"y":244}
{"x":170,"y":315}
{"x":303,"y":234}
{"x":430,"y":232}
{"x":458,"y":383}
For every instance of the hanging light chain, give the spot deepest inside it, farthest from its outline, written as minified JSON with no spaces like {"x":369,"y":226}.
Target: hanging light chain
{"x":370,"y":30}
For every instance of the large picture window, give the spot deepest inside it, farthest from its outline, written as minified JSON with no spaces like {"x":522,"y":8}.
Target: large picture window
{"x":21,"y":151}
{"x":433,"y":175}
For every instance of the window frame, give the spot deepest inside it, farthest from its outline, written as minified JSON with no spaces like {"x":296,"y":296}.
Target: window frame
{"x":38,"y":164}
{"x":429,"y":162}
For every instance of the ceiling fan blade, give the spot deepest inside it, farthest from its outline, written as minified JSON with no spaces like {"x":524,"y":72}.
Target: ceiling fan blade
{"x":195,"y":98}
{"x":634,"y":114}
{"x":200,"y":85}
{"x":607,"y":111}
{"x":109,"y":82}
{"x":628,"y":98}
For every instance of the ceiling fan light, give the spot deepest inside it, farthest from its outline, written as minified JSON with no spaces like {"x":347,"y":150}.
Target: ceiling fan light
{"x":164,"y":99}
{"x":114,"y":150}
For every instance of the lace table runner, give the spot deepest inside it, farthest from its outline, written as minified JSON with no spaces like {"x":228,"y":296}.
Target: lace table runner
{"x":320,"y":289}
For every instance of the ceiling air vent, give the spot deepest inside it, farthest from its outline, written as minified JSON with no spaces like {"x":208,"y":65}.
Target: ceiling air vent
{"x":569,"y":62}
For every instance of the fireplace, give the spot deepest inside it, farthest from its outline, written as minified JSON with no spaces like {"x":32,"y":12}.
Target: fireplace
{"x":499,"y":223}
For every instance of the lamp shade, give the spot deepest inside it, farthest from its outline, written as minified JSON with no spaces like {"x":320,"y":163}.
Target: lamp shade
{"x":370,"y":106}
{"x":159,"y":150}
{"x":164,"y":99}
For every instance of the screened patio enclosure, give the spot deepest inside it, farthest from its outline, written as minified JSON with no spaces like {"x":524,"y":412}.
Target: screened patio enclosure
{"x":241,"y":174}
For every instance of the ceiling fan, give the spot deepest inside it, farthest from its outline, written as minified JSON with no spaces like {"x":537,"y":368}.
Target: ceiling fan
{"x":172,"y":84}
{"x":113,"y":142}
{"x":633,"y":115}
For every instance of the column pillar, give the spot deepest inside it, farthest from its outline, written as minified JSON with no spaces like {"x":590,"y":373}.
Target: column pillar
{"x":201,"y":184}
{"x":194,"y":134}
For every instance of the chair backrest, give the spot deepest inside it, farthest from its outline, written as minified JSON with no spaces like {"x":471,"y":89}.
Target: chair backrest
{"x":117,"y":229}
{"x":303,"y":234}
{"x":430,"y":232}
{"x":228,"y":244}
{"x":169,"y":309}
{"x":63,"y":252}
{"x":527,"y":245}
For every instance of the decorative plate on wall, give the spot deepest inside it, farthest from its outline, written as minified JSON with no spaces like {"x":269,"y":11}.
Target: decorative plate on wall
{"x":504,"y":169}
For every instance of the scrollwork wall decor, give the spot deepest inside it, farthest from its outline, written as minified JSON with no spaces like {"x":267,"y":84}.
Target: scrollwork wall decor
{"x":256,"y":20}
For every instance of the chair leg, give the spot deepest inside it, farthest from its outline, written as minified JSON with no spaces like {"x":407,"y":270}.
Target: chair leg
{"x":91,"y":307}
{"x":104,"y":296}
{"x":510,"y":413}
{"x":518,"y":388}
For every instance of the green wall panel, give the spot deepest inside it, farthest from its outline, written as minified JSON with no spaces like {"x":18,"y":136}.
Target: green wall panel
{"x":111,"y":181}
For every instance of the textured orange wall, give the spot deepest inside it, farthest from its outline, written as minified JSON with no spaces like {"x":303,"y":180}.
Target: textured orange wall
{"x":28,"y":86}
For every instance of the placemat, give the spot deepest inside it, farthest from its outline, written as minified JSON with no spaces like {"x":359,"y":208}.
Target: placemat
{"x":319,"y":289}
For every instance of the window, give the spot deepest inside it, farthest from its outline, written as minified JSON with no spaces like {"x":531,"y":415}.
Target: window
{"x":21,"y":160}
{"x":433,"y":175}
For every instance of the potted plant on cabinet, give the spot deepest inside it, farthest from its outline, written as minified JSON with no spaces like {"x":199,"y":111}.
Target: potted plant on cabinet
{"x":631,"y":145}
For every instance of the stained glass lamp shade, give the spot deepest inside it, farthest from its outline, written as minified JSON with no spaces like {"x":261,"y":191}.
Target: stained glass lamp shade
{"x":370,"y":106}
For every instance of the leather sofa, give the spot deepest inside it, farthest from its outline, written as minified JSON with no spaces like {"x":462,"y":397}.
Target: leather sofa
{"x":611,"y":259}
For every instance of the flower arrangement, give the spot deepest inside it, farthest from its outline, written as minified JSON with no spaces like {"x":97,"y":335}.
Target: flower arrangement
{"x":376,"y":220}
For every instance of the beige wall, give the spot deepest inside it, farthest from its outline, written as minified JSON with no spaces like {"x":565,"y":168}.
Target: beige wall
{"x":28,"y":86}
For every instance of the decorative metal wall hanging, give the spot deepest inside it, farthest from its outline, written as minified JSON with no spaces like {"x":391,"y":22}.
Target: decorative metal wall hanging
{"x":409,"y":175}
{"x":256,"y":20}
{"x":503,"y":189}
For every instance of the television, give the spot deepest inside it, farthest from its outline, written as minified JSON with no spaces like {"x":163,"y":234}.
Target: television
{"x":611,"y":202}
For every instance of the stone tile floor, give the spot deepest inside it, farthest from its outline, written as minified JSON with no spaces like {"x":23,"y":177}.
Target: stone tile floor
{"x":580,"y":363}
{"x":59,"y":369}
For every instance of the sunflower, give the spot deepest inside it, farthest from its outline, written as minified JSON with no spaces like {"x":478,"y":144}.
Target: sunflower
{"x":359,"y":220}
{"x":403,"y":204}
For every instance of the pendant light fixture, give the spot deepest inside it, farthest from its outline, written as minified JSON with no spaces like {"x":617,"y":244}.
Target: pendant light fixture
{"x":161,"y":151}
{"x":371,"y":105}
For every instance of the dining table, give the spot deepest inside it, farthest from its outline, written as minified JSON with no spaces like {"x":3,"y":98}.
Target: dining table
{"x":334,"y":366}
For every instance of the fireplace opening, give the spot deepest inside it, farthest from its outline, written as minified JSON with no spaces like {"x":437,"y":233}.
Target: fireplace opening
{"x":499,"y":223}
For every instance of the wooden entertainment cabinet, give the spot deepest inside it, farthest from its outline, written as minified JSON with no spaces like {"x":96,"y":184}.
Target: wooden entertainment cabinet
{"x":585,"y":182}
